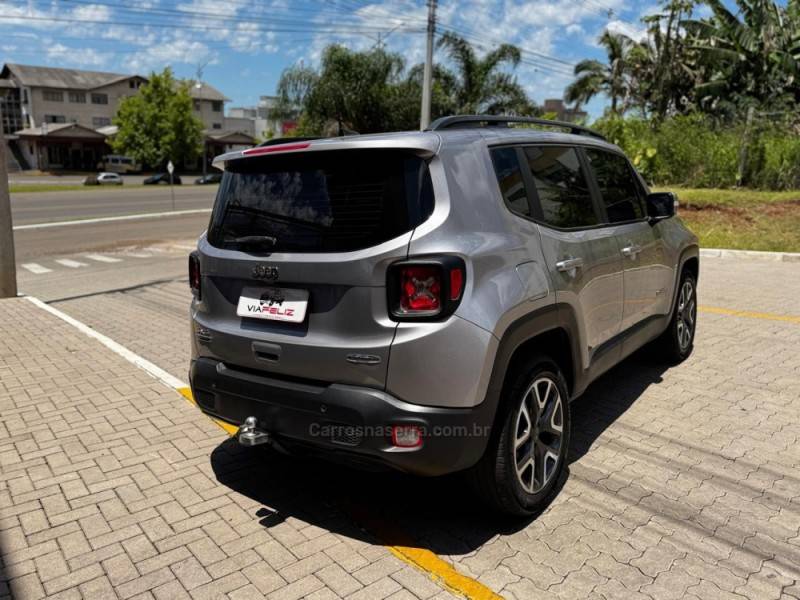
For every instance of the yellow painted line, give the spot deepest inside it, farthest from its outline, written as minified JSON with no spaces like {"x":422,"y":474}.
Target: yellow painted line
{"x":397,"y":542}
{"x":186,"y":392}
{"x":403,"y":547}
{"x":749,"y":314}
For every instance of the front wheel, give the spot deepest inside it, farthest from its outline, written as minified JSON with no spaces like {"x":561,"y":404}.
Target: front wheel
{"x":523,"y":463}
{"x":677,"y":342}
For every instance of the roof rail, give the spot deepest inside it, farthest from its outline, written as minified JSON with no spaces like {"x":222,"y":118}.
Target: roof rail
{"x":455,"y":121}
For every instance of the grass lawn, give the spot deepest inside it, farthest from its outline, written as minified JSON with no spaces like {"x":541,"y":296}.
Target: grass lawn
{"x":742,"y":219}
{"x":19,"y":188}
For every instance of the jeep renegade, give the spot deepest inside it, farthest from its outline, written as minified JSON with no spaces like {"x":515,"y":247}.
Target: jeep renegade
{"x":432,"y":301}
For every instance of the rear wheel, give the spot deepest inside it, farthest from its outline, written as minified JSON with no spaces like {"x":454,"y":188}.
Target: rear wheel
{"x":676,"y":343}
{"x":521,"y":467}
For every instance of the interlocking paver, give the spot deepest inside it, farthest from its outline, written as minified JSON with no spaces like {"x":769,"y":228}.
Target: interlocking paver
{"x":689,"y":476}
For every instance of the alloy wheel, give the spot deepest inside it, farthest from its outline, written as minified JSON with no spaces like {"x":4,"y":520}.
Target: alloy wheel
{"x":687,"y":315}
{"x":538,"y":434}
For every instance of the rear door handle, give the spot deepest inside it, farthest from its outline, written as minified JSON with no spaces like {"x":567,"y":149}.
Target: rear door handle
{"x":569,"y":264}
{"x":631,"y":250}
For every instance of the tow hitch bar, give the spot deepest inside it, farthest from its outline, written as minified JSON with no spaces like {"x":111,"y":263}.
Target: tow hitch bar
{"x":249,"y":435}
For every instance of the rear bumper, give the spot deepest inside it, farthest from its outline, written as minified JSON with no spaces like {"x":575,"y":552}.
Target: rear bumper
{"x":343,"y":422}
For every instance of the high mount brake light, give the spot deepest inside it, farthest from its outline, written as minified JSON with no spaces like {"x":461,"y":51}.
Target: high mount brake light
{"x":276,"y":148}
{"x":425,"y":289}
{"x":194,"y":274}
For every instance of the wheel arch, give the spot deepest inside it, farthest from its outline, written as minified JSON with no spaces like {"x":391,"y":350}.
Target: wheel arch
{"x":552,"y":331}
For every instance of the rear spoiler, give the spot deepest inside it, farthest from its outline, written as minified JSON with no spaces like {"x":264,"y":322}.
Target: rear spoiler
{"x":424,"y":143}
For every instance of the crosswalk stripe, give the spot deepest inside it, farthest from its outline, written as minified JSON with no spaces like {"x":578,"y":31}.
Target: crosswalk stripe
{"x":138,"y":254}
{"x":103,"y":258}
{"x":36,"y":268}
{"x":72,"y":264}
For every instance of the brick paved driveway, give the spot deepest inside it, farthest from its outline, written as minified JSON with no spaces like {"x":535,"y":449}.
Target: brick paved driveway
{"x":683,"y":482}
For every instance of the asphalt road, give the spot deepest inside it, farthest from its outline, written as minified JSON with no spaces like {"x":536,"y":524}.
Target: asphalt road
{"x":45,"y":207}
{"x":32,"y":209}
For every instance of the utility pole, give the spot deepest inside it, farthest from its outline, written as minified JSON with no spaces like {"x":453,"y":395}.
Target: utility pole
{"x":425,"y":118}
{"x":8,"y":267}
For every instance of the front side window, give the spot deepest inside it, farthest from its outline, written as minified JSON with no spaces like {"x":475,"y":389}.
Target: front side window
{"x":509,"y":176}
{"x":618,"y":188}
{"x":561,"y":187}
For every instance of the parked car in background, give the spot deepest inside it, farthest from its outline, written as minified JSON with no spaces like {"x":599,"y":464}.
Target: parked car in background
{"x":114,"y":163}
{"x":209,"y":178}
{"x":503,"y":268}
{"x":103,"y":179}
{"x":162,"y":178}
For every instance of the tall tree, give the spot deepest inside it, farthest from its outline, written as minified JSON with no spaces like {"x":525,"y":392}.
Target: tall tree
{"x":157,"y":125}
{"x":359,"y":90}
{"x":593,"y":77}
{"x":480,"y":85}
{"x":752,"y":57}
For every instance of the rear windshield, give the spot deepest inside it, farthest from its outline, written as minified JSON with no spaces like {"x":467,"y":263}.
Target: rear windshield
{"x":326,"y":201}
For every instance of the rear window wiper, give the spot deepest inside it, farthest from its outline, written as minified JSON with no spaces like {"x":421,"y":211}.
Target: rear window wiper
{"x":253,"y":240}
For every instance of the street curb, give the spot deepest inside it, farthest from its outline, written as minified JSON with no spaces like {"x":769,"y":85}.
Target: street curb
{"x":750,"y":254}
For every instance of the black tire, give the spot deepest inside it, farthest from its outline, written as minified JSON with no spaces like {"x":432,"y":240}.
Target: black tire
{"x":495,"y":477}
{"x":677,"y":342}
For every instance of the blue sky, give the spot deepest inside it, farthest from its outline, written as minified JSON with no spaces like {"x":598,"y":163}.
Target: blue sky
{"x":243,"y":45}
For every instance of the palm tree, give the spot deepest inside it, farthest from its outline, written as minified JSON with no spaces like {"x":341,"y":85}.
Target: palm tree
{"x":479,"y":85}
{"x":594,"y":77}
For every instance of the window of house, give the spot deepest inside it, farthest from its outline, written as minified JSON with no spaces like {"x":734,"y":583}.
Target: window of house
{"x":55,"y":119}
{"x":77,"y":97}
{"x":617,"y":185}
{"x":197,"y":105}
{"x":509,"y":176}
{"x":132,"y":84}
{"x":53,"y":96}
{"x":99,"y":98}
{"x":101,"y":122}
{"x":561,"y":187}
{"x":217,"y":125}
{"x":216,"y":106}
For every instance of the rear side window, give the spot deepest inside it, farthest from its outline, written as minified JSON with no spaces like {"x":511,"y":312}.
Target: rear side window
{"x":326,"y":201}
{"x":509,"y":176}
{"x":618,"y":188}
{"x":561,"y":187}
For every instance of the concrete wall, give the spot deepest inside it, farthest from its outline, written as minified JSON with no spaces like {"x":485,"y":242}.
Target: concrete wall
{"x":82,"y":113}
{"x":204,"y":110}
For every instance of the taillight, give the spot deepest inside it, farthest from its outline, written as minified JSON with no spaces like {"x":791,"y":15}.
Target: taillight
{"x":425,"y":289}
{"x":420,"y":289}
{"x":194,"y":274}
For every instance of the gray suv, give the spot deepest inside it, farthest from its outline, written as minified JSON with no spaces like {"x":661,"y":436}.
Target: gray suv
{"x":432,"y":301}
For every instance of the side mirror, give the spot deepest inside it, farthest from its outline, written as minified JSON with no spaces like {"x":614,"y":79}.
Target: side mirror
{"x":661,"y":205}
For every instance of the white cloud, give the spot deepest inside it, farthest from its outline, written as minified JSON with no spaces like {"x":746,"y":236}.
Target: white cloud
{"x":178,"y":50}
{"x":87,"y":57}
{"x":91,"y":12}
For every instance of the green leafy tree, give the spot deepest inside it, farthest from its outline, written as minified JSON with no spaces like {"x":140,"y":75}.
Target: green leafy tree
{"x":480,"y":85}
{"x":612,"y":78}
{"x":749,"y":58}
{"x":157,"y":125}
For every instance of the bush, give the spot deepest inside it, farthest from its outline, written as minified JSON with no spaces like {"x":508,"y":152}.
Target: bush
{"x":695,"y":151}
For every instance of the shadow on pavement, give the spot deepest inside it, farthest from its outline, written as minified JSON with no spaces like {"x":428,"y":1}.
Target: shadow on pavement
{"x":439,"y":514}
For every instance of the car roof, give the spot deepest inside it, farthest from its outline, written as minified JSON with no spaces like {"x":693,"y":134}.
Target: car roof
{"x":425,"y":142}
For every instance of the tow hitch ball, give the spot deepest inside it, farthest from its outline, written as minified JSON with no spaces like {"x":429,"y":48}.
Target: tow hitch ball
{"x":250,"y":435}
